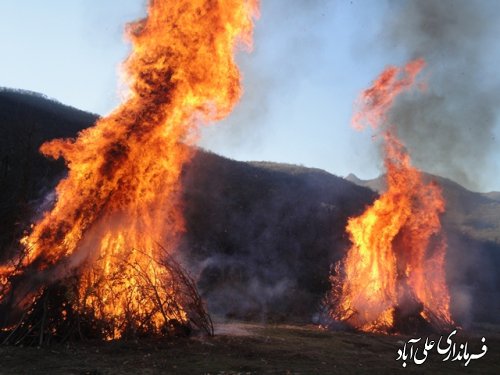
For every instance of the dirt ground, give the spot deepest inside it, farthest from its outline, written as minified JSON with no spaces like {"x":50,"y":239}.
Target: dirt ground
{"x":241,"y":348}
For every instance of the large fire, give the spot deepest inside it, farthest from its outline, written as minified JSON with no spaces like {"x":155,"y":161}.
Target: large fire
{"x":121,"y":195}
{"x":394,"y":270}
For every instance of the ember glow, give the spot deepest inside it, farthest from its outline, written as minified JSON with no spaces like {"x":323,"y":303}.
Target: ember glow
{"x":394,"y":270}
{"x":121,"y":194}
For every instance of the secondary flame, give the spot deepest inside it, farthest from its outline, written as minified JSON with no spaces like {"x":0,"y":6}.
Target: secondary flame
{"x":121,"y":194}
{"x":395,"y":266}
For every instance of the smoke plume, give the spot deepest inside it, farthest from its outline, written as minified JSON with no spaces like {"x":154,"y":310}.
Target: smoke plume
{"x":449,"y":129}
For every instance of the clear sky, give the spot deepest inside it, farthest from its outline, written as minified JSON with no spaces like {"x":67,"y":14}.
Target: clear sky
{"x":311,"y":59}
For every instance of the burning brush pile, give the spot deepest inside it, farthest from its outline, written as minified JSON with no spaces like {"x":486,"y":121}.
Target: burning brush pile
{"x":92,"y":266}
{"x":392,"y":278}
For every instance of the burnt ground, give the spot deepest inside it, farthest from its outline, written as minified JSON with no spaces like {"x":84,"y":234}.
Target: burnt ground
{"x":247,"y":349}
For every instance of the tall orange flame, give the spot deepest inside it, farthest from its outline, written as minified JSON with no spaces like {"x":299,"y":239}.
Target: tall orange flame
{"x":121,"y":194}
{"x":396,"y":261}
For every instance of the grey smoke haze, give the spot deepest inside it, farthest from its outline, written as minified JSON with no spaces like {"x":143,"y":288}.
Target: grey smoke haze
{"x":450,"y":129}
{"x":260,"y":237}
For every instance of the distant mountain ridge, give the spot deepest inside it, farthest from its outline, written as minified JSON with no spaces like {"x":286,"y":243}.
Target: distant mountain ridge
{"x":476,"y":215}
{"x":44,"y":103}
{"x":260,"y":236}
{"x":26,"y":121}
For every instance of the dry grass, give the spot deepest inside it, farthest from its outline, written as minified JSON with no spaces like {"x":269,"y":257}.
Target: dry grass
{"x":243,"y":349}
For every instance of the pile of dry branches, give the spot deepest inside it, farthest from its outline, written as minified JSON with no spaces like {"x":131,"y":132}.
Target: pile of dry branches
{"x":59,"y":311}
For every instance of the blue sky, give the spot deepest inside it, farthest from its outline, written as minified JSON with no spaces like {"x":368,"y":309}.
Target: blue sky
{"x":311,"y":59}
